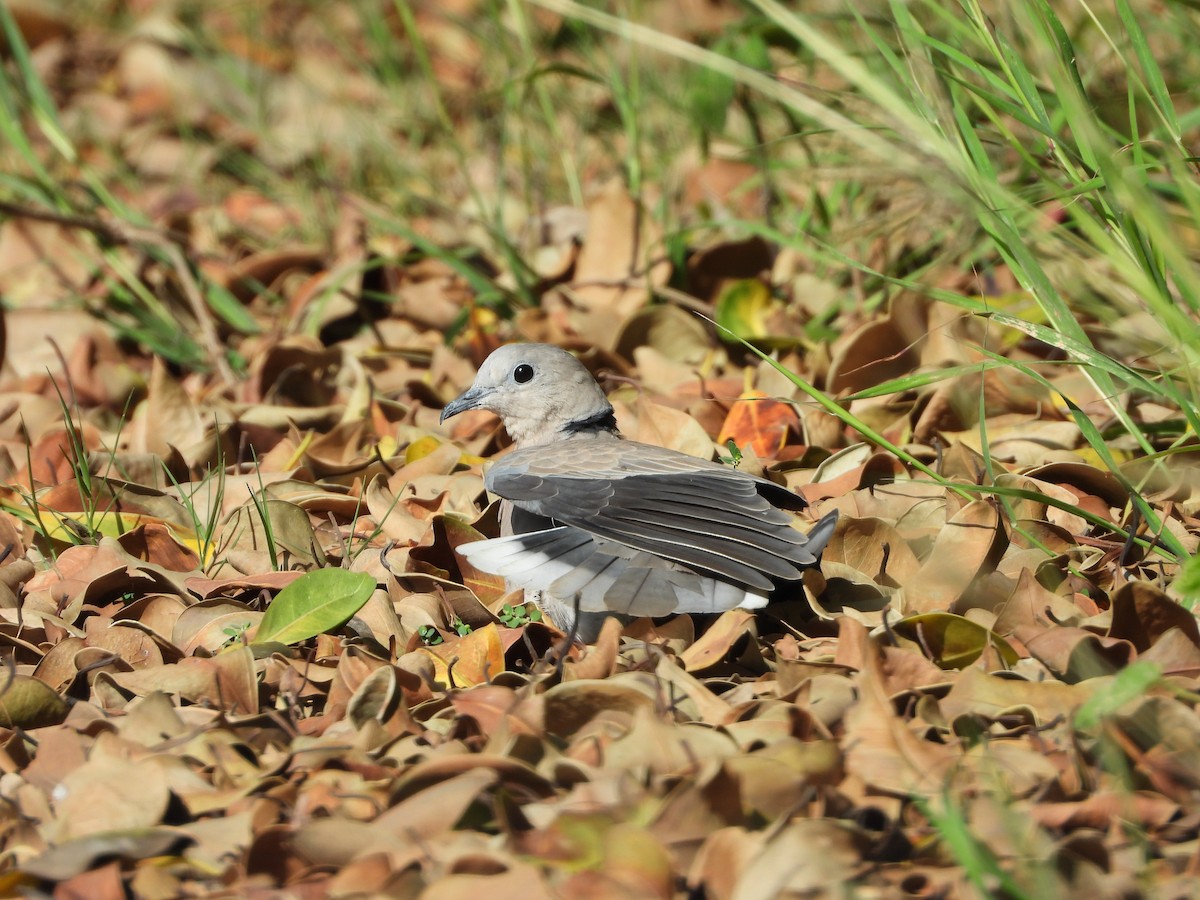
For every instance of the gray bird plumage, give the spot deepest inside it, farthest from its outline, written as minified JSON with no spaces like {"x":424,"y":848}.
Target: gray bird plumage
{"x":615,"y":526}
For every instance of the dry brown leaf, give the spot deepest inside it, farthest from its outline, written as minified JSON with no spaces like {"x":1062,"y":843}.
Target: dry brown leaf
{"x":977,"y":693}
{"x":676,"y":337}
{"x":654,"y":423}
{"x":964,"y":548}
{"x":723,"y":861}
{"x":756,"y":754}
{"x":873,"y":546}
{"x":883,"y":749}
{"x":614,"y":272}
{"x":718,"y":640}
{"x":226,"y":681}
{"x":875,"y":352}
{"x":1142,"y":614}
{"x":106,"y":794}
{"x":571,"y":705}
{"x":168,"y":419}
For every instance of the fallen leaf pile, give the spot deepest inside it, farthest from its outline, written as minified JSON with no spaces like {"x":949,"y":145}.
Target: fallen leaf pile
{"x":243,"y":657}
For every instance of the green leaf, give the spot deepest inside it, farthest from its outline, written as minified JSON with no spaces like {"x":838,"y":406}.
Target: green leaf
{"x":751,"y":50}
{"x":27,"y":702}
{"x":313,"y":604}
{"x":953,"y":642}
{"x":742,"y":308}
{"x":1187,"y":585}
{"x":709,"y":99}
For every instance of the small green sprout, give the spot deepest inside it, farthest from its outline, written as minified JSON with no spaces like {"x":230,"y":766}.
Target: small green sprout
{"x":735,"y":455}
{"x":519,"y":616}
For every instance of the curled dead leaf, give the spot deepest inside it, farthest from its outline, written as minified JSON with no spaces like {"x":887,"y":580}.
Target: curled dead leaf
{"x":27,"y":702}
{"x":884,"y":749}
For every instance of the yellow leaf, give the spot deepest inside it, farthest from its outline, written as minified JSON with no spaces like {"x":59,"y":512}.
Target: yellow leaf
{"x":421,"y":448}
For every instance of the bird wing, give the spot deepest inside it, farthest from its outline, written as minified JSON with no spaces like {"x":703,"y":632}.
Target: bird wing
{"x":567,"y":563}
{"x":663,"y":503}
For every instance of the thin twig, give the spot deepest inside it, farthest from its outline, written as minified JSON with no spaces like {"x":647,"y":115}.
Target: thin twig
{"x":165,"y":241}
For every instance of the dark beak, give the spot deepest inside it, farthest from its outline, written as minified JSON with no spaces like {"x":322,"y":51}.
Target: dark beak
{"x":471,"y":398}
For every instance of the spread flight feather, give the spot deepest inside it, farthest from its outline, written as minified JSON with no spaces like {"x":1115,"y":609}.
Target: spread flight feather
{"x":594,"y":521}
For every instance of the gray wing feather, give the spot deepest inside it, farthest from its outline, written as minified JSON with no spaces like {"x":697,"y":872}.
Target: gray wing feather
{"x":697,"y":513}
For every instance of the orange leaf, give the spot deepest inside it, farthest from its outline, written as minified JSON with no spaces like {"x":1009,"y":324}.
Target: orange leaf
{"x":472,"y":659}
{"x":759,"y":421}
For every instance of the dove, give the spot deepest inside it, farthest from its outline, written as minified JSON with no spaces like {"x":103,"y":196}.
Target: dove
{"x":593,"y":524}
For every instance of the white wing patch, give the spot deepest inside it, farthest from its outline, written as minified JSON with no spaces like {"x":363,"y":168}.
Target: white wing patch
{"x":566,"y":562}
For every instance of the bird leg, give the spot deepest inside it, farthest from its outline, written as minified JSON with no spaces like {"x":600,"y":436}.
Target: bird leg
{"x":569,"y":641}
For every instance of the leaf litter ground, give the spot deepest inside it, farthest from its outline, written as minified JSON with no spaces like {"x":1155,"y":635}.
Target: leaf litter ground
{"x":244,"y":658}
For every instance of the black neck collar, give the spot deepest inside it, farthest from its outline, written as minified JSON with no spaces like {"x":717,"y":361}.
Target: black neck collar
{"x":605,"y":420}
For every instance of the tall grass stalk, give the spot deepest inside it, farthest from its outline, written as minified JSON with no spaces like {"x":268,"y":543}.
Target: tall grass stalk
{"x":989,"y":109}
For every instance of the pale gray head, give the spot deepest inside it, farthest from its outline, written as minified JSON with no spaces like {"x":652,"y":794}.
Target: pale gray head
{"x":542,"y":393}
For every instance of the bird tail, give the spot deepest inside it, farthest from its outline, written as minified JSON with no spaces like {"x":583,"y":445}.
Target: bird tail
{"x":820,"y":534}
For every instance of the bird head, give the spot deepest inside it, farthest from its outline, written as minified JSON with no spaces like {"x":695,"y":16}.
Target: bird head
{"x":540,"y":392}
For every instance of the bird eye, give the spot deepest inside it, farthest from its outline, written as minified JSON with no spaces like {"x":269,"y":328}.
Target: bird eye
{"x":523,"y":373}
